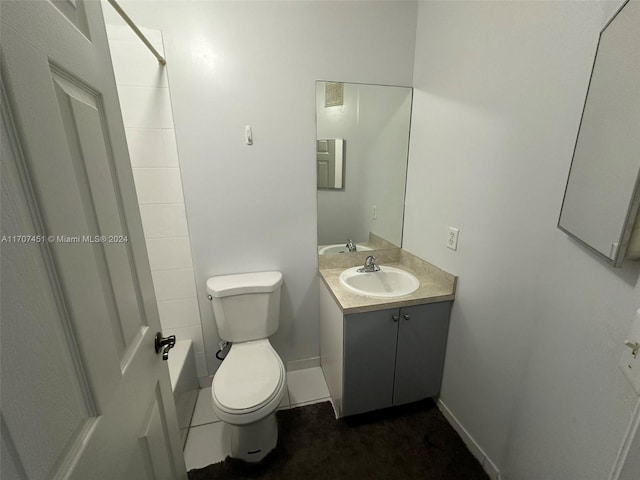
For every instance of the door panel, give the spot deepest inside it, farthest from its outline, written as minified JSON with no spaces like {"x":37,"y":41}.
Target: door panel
{"x":85,"y":386}
{"x":82,"y":117}
{"x":369,"y":360}
{"x":422,"y":342}
{"x":153,"y":442}
{"x":39,"y":358}
{"x":75,"y":13}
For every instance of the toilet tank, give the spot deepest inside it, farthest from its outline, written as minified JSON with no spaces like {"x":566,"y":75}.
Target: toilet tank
{"x":246,"y":305}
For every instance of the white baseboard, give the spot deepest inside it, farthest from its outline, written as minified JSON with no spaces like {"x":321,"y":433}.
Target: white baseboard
{"x":471,"y":444}
{"x":302,"y":364}
{"x":632,"y":430}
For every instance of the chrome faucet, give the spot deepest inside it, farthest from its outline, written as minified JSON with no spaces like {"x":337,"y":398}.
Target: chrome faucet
{"x":351,"y":246}
{"x":370,"y":265}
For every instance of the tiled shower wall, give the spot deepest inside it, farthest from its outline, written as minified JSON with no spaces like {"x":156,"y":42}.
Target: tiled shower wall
{"x":143,"y":88}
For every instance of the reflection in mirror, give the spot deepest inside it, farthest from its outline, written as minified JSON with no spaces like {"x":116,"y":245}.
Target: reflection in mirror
{"x":601,"y":199}
{"x":368,"y":207}
{"x":330,"y":160}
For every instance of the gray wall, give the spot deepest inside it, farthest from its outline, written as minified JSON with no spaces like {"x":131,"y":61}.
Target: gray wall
{"x":538,"y":324}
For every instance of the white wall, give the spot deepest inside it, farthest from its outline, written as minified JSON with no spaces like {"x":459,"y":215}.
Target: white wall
{"x":538,"y":324}
{"x":143,"y":91}
{"x":231,"y":64}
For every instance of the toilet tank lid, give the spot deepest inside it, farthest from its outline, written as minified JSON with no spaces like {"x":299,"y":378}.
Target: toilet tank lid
{"x":241,"y":283}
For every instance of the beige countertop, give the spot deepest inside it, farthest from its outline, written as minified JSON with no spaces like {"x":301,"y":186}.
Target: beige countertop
{"x":436,"y":285}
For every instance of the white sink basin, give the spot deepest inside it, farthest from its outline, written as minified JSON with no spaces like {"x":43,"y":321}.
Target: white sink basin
{"x":341,"y":248}
{"x":387,"y":283}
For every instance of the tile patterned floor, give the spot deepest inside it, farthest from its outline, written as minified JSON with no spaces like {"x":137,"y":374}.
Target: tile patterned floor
{"x":206,"y":441}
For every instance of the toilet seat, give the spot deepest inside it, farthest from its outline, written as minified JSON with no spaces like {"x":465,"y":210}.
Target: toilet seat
{"x":251,"y":378}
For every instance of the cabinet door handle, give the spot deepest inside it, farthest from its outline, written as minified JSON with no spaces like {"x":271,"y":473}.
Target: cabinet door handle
{"x":406,"y":316}
{"x":395,"y":318}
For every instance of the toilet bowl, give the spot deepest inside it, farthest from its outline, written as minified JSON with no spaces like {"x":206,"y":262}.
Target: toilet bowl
{"x":249,"y":384}
{"x":251,"y":381}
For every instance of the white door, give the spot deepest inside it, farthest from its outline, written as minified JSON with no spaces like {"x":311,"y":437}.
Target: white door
{"x":84,"y":395}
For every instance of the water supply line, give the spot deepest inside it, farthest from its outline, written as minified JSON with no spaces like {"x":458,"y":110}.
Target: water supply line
{"x":223,"y":346}
{"x":137,"y":31}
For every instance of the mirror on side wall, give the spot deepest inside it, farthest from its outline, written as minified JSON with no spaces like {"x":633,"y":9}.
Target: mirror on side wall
{"x":600,"y":206}
{"x":361,"y":197}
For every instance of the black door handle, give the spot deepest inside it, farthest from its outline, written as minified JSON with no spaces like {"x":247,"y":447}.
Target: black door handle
{"x":165,"y":344}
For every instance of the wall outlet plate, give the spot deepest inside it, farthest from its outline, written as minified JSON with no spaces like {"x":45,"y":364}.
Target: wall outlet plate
{"x":630,"y":363}
{"x":452,"y":239}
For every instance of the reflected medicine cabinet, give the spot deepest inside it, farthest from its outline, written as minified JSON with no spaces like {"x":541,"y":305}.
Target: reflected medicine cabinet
{"x":330,"y":163}
{"x":600,"y":206}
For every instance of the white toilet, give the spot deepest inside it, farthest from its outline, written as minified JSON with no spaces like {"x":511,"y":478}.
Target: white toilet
{"x":251,"y":381}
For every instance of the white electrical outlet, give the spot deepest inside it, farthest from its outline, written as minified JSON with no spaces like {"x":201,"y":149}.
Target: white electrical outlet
{"x":630,"y":361}
{"x":452,"y":239}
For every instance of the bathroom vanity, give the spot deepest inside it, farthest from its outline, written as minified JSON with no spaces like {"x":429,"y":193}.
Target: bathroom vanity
{"x":380,"y":352}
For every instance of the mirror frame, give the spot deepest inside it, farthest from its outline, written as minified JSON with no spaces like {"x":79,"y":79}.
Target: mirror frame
{"x":580,"y":163}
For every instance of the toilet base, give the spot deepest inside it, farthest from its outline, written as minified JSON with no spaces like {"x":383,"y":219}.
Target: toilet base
{"x":253,"y":442}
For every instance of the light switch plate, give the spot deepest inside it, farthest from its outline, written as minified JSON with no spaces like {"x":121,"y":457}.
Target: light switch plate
{"x":629,"y":363}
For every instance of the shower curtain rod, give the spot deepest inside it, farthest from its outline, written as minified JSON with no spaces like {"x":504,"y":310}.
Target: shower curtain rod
{"x":137,"y":31}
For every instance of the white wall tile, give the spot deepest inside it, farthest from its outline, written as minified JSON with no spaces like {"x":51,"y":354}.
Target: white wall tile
{"x":193,"y":332}
{"x":197,"y":336}
{"x":135,"y":65}
{"x":170,"y":146}
{"x":145,"y":107}
{"x":169,"y":253}
{"x":118,"y":32}
{"x":152,"y":147}
{"x":164,"y":220}
{"x":201,"y":365}
{"x":173,"y":284}
{"x":121,"y":32}
{"x":179,"y":313}
{"x":154,"y":36}
{"x":148,"y":120}
{"x":158,"y":185}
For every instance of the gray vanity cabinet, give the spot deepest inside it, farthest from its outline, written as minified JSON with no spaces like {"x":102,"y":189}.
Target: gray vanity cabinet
{"x":393,"y":356}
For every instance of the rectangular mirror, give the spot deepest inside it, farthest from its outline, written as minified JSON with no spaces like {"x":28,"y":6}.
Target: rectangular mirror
{"x":372,"y":121}
{"x":601,"y":199}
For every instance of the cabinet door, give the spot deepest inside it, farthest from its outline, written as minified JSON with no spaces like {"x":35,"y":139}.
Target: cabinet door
{"x":369,"y":360}
{"x":422,"y":339}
